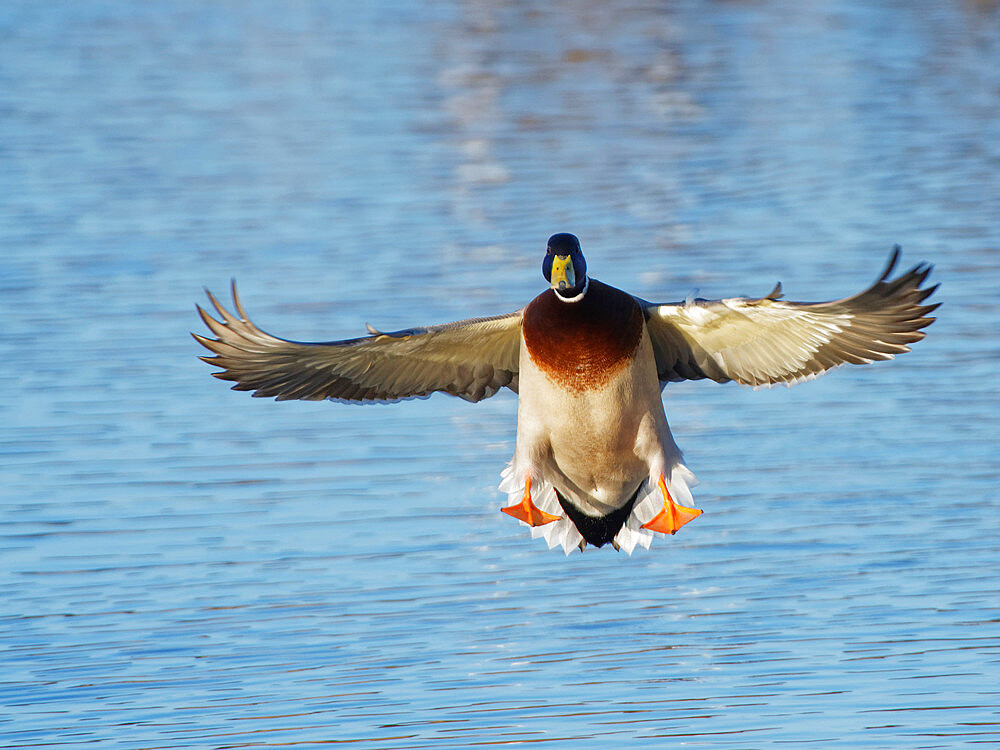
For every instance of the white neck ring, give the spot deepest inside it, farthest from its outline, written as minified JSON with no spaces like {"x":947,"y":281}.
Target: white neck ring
{"x":579,"y":296}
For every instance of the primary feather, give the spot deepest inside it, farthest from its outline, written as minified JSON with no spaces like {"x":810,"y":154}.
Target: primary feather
{"x":766,"y":340}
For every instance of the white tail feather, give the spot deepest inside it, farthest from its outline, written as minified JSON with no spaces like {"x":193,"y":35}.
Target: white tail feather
{"x":563,"y":533}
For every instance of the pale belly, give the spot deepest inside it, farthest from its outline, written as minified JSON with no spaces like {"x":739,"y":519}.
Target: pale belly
{"x":595,"y":451}
{"x":595,"y":446}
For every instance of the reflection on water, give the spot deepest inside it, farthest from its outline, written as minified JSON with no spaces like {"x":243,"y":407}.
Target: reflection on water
{"x":184,"y":566}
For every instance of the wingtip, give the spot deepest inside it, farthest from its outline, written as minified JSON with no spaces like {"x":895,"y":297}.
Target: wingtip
{"x":893,"y":260}
{"x":205,"y":317}
{"x":215,"y":303}
{"x":925,"y":293}
{"x":236,"y":300}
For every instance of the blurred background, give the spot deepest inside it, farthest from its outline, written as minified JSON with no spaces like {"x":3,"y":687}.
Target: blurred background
{"x":184,"y":566}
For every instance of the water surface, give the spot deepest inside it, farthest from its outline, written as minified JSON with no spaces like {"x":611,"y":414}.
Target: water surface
{"x":186,"y":567}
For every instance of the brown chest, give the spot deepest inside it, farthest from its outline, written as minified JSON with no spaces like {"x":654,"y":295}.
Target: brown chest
{"x":581,"y":345}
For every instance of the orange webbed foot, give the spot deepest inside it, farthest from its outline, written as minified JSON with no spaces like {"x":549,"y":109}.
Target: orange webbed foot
{"x":673,"y":516}
{"x":527,"y":511}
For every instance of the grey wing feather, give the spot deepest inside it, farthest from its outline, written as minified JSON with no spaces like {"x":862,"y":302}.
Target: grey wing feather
{"x":471,"y":359}
{"x":766,"y":340}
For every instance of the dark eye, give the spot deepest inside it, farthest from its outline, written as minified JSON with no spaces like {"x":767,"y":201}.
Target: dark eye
{"x":548,"y":251}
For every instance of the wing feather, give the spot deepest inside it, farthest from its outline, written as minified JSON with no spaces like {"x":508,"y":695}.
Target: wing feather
{"x":471,"y":359}
{"x":767,"y":340}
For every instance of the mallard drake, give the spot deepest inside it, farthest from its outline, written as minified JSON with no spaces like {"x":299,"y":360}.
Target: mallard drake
{"x":594,"y":461}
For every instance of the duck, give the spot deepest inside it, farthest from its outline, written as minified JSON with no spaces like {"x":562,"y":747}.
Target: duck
{"x":594,"y":460}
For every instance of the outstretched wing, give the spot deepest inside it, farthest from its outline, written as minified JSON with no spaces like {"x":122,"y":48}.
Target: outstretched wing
{"x":471,"y":359}
{"x":764,"y":341}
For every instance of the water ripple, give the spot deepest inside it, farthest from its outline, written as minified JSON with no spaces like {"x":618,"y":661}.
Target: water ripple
{"x":186,"y":567}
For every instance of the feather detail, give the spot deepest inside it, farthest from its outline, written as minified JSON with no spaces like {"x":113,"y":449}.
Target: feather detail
{"x":564,"y":534}
{"x":764,"y":341}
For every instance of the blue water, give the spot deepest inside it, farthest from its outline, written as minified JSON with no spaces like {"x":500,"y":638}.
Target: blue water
{"x":183,"y":566}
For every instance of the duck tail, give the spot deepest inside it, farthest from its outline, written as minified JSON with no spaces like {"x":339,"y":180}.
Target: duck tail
{"x":679,"y":480}
{"x":564,"y":533}
{"x":561,"y":533}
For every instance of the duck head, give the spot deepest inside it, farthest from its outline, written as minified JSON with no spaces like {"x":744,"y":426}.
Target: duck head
{"x":564,"y":267}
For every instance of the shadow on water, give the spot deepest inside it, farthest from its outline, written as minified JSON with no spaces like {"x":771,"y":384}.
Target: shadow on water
{"x":187,"y":567}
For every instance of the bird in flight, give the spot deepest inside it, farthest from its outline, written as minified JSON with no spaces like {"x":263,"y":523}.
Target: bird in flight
{"x":594,"y":461}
